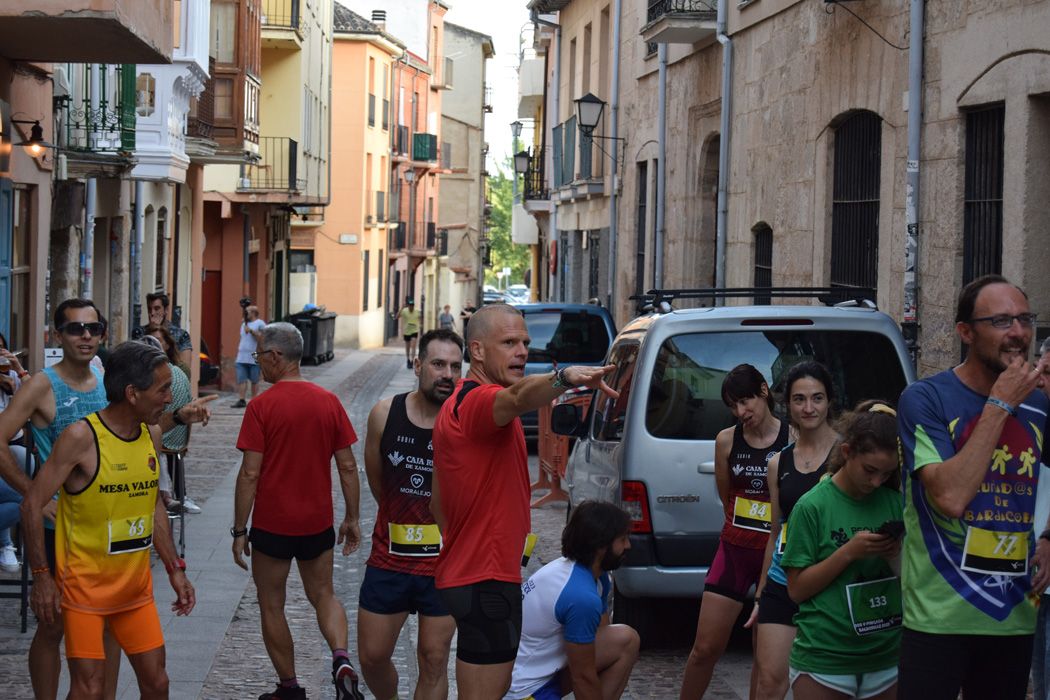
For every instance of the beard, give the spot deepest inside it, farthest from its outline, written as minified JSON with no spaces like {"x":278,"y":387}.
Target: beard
{"x":611,"y":561}
{"x":995,"y":363}
{"x":437,"y":392}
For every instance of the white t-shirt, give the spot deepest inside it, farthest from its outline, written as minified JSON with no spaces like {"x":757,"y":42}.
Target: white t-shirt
{"x":562,"y":602}
{"x":248,"y":342}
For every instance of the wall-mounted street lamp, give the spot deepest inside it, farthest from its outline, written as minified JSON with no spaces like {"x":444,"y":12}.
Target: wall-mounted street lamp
{"x":589,"y":110}
{"x":35,"y":146}
{"x":515,"y":129}
{"x":521,"y":162}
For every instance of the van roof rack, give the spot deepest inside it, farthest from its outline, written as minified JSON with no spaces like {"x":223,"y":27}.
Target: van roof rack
{"x":656,"y":299}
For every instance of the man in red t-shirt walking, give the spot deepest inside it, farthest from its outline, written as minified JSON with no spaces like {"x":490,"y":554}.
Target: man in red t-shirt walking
{"x":288,"y":437}
{"x":481,"y":493}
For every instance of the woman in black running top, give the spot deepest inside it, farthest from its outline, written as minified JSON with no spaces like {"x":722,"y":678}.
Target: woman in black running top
{"x":808,"y":394}
{"x":741,"y":455}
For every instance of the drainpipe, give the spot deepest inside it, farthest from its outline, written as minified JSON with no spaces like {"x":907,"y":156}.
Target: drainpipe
{"x":910,"y":318}
{"x":661,"y":169}
{"x":137,"y":243}
{"x":87,"y":245}
{"x":246,"y":219}
{"x":614,"y":132}
{"x":552,"y":119}
{"x":723,"y":150}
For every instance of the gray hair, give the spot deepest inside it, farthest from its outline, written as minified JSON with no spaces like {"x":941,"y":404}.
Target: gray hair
{"x":131,"y":363}
{"x":284,"y":338}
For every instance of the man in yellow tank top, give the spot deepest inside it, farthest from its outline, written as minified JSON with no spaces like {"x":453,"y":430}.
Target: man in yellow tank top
{"x":107,"y":468}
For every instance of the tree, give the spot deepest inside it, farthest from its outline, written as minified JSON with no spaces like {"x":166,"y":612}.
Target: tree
{"x":504,"y":252}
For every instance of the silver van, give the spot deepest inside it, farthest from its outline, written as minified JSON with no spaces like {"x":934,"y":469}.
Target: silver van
{"x":652,"y":450}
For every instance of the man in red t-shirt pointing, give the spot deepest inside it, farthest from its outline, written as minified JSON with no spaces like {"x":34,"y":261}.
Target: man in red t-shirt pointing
{"x":481,"y":493}
{"x":288,"y":437}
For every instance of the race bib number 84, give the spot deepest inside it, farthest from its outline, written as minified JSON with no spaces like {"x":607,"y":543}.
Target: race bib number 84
{"x":751,"y":515}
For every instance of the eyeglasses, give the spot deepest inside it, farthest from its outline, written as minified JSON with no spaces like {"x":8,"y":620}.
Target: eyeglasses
{"x":76,"y":329}
{"x":257,"y":353}
{"x":1006,"y":320}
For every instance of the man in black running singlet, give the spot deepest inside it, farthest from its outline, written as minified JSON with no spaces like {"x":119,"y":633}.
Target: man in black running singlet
{"x":399,"y":576}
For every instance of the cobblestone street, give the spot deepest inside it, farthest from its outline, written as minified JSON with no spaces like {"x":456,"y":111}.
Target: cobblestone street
{"x":238,"y":668}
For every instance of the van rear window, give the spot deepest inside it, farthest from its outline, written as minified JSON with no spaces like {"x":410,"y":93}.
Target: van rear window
{"x":685,"y":392}
{"x":566,"y":337}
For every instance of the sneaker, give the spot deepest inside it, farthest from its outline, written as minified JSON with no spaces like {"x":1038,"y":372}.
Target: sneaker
{"x":241,"y":403}
{"x":190,"y":506}
{"x":345,"y":678}
{"x":282,"y":693}
{"x":175,"y":507}
{"x":408,"y":363}
{"x":8,"y":560}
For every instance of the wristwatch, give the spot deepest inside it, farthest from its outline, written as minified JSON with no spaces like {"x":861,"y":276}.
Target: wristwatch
{"x":235,"y":533}
{"x":179,"y":564}
{"x":176,"y":418}
{"x":559,"y":381}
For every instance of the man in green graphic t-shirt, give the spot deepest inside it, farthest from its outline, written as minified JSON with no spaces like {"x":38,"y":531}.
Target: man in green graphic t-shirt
{"x":409,"y":316}
{"x":973,"y":557}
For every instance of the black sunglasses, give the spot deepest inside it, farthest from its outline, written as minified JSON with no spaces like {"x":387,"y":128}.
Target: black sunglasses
{"x":76,"y":328}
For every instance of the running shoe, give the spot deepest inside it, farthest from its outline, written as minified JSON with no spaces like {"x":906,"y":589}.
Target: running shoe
{"x":8,"y":560}
{"x":282,"y":693}
{"x":345,"y":678}
{"x":190,"y":506}
{"x":240,"y":403}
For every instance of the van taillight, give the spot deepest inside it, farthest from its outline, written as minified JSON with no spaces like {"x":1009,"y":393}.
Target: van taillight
{"x":636,"y":503}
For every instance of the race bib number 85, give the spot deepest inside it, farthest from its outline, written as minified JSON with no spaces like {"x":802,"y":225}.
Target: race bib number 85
{"x":415,"y":540}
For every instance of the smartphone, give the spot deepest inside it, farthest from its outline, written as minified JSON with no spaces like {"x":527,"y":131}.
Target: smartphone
{"x":893,"y":528}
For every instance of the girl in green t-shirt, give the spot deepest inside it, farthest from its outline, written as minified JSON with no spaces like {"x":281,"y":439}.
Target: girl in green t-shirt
{"x":845,"y":532}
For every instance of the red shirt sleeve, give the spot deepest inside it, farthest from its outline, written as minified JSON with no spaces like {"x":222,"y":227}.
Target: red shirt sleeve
{"x":252,"y":436}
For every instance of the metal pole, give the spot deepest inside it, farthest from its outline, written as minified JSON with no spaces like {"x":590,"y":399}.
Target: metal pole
{"x":910,"y":317}
{"x":137,"y":243}
{"x":721,"y":228}
{"x":661,"y":169}
{"x":614,"y":132}
{"x":87,"y":245}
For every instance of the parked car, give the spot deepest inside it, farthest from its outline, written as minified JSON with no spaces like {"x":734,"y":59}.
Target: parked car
{"x":517,"y":294}
{"x":492,"y":296}
{"x":652,"y":449}
{"x":209,"y":371}
{"x":566,"y":334}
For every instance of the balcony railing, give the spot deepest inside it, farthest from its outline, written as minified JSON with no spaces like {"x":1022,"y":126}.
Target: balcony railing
{"x":402,"y":144}
{"x":431,"y":229}
{"x":386,"y":114}
{"x":424,"y":147}
{"x":487,"y":104}
{"x":380,"y":206}
{"x":277,"y":168}
{"x":535,"y":183}
{"x":201,"y":120}
{"x":371,"y":110}
{"x":399,"y":236}
{"x":109,"y":127}
{"x":659,"y":8}
{"x":282,"y":14}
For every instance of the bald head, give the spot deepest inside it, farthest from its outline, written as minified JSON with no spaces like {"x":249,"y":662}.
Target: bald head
{"x":484,"y":319}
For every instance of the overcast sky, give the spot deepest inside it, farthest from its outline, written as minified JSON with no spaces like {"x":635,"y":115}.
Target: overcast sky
{"x":503,"y":20}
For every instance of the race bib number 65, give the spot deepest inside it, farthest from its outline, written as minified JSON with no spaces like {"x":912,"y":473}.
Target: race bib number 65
{"x":130,"y":534}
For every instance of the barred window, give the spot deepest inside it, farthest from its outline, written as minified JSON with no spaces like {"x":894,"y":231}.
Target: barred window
{"x":983,"y":206}
{"x":855,"y":201}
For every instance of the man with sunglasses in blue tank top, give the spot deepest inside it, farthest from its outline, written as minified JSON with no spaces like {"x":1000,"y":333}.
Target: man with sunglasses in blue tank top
{"x":51,"y":401}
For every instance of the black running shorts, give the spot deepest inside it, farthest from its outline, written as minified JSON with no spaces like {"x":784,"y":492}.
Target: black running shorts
{"x":488,"y":618}
{"x":301,"y":547}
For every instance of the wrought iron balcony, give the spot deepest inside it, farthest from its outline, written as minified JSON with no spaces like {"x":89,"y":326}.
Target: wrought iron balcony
{"x":487,"y":103}
{"x":105,"y":125}
{"x":281,"y":14}
{"x":399,"y":237}
{"x":277,"y":168}
{"x":402,"y":143}
{"x":535,"y":182}
{"x":431,"y":229}
{"x":200,"y":122}
{"x":680,"y":21}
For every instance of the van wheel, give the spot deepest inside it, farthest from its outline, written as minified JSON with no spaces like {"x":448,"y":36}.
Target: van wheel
{"x":636,"y":613}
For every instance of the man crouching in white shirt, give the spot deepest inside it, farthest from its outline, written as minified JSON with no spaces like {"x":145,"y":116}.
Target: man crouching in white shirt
{"x":567,"y":644}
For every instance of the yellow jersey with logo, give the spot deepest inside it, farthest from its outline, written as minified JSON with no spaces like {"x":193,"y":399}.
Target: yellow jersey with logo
{"x":104,"y":531}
